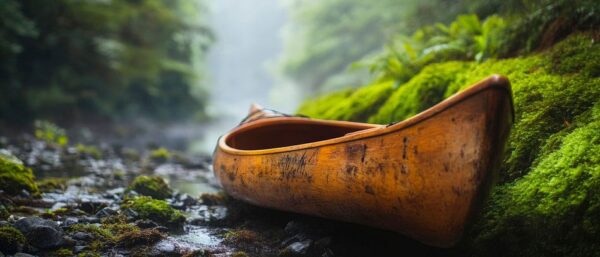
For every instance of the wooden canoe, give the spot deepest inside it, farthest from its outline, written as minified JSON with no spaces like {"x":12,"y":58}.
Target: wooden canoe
{"x":424,"y":177}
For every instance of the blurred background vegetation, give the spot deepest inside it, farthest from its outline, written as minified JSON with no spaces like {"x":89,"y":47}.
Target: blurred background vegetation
{"x":343,"y":43}
{"x":79,"y":60}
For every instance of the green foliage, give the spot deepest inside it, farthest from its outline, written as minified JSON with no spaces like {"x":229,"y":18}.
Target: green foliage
{"x":324,"y":36}
{"x":421,"y":92}
{"x":68,"y":59}
{"x":467,"y":38}
{"x":156,"y":210}
{"x":153,"y":186}
{"x":11,"y":240}
{"x":14,"y":178}
{"x":50,"y":132}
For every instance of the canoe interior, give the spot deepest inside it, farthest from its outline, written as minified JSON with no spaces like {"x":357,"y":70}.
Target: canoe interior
{"x":287,"y":134}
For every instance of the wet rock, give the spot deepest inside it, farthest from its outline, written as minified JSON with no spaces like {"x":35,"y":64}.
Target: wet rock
{"x":79,"y":248}
{"x":83,"y":236}
{"x":105,"y":212}
{"x":90,"y":219}
{"x":41,"y":233}
{"x":130,"y":214}
{"x":70,"y":221}
{"x":145,"y":223}
{"x":293,"y":227}
{"x":323,"y":242}
{"x":165,"y":248}
{"x":297,"y":248}
{"x":211,"y":215}
{"x":92,"y":207}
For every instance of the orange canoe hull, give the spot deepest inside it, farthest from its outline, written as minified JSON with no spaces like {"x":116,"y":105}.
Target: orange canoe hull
{"x":424,"y":177}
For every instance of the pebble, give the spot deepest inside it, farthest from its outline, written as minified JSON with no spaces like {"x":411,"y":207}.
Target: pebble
{"x":105,"y":212}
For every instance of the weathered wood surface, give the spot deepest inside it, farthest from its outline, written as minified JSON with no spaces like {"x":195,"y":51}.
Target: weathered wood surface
{"x":424,"y":177}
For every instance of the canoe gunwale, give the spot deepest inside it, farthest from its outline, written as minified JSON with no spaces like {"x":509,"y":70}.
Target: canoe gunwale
{"x":374,"y":130}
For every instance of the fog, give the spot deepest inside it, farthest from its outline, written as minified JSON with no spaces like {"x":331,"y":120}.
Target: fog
{"x":240,"y":64}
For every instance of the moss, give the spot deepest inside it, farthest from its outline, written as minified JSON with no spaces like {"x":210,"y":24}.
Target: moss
{"x":153,"y":186}
{"x":577,"y":54}
{"x":358,"y":105}
{"x":421,"y":92}
{"x":89,"y":150}
{"x":156,"y":210}
{"x":14,"y":178}
{"x":52,"y":184}
{"x":89,"y":254}
{"x":317,"y":107}
{"x":239,"y":254}
{"x":140,"y":237}
{"x":119,"y":229}
{"x":63,"y":252}
{"x":97,"y":232}
{"x":11,"y":240}
{"x":241,"y":236}
{"x":555,"y":208}
{"x":160,"y":155}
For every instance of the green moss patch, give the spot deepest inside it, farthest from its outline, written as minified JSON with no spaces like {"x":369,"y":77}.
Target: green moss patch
{"x":153,"y":186}
{"x":421,"y":92}
{"x":14,"y":178}
{"x":11,"y":240}
{"x":156,"y":210}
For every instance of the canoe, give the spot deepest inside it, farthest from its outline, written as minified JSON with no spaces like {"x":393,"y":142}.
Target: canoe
{"x":425,"y":177}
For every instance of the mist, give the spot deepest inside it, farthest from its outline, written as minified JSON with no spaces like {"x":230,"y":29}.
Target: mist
{"x":240,"y":64}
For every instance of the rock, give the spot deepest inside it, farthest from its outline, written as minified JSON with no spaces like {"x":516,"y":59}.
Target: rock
{"x":297,"y":248}
{"x":79,"y":248}
{"x":90,"y":219}
{"x":293,"y":227}
{"x":145,"y":223}
{"x":131,"y":214}
{"x":105,"y":212}
{"x":165,"y":248}
{"x":70,"y":221}
{"x":41,"y":233}
{"x":83,"y":236}
{"x":92,"y":207}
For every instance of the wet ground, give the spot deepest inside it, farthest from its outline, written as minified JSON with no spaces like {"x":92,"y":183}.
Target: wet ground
{"x":92,"y":187}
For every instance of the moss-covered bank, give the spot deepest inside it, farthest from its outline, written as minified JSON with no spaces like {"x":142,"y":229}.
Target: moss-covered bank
{"x":547,"y":202}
